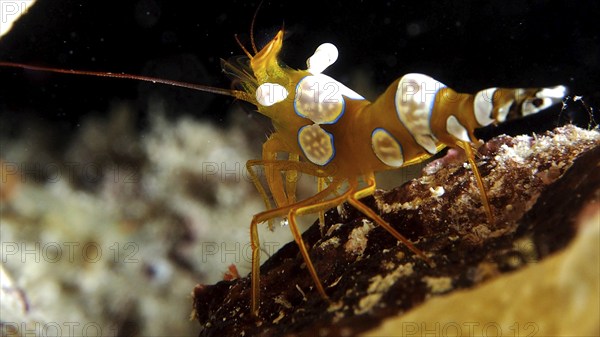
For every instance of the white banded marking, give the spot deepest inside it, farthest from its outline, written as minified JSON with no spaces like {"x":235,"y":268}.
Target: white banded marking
{"x":325,"y":55}
{"x":414,"y":100}
{"x":316,"y":144}
{"x":387,"y":148}
{"x":483,"y":105}
{"x":320,"y":98}
{"x":543,"y":99}
{"x":456,"y":129}
{"x":504,"y":110}
{"x":558,"y":92}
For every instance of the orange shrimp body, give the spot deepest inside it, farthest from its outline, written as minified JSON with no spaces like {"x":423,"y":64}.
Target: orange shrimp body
{"x":331,"y":132}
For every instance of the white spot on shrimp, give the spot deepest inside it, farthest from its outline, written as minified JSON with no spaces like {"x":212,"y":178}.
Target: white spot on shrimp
{"x":325,"y":55}
{"x":386,"y":148}
{"x":319,"y":99}
{"x":504,"y":110}
{"x":317,"y":144}
{"x":456,"y":129}
{"x":557,"y":92}
{"x":483,"y":106}
{"x":415,"y":97}
{"x":543,"y":99}
{"x":268,"y":94}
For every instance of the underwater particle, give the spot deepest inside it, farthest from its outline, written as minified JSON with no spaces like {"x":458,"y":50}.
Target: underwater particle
{"x":414,"y":29}
{"x":334,"y":242}
{"x":357,"y":240}
{"x":438,"y":285}
{"x":437,"y":192}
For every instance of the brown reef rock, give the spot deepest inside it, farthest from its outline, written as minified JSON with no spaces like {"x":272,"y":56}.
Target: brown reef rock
{"x":537,"y":187}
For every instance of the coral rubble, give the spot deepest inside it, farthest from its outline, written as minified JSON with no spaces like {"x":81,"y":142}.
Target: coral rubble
{"x":537,"y":187}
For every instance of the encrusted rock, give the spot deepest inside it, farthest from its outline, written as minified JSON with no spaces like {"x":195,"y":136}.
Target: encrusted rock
{"x":536,"y":186}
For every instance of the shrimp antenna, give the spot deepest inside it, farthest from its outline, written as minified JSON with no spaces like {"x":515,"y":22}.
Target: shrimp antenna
{"x":237,"y":39}
{"x":252,"y":28}
{"x":252,"y":42}
{"x":199,"y":87}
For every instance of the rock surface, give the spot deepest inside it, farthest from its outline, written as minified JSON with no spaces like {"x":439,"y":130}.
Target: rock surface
{"x":562,"y":299}
{"x":537,"y":187}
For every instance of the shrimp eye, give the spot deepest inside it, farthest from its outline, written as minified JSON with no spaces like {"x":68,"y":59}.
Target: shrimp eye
{"x":538,"y":102}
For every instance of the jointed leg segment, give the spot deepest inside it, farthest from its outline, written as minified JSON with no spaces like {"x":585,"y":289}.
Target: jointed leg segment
{"x":312,"y":204}
{"x":317,"y":203}
{"x":364,"y":209}
{"x":484,"y":198}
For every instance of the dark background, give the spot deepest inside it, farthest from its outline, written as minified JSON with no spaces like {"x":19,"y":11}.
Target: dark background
{"x":466,"y":45}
